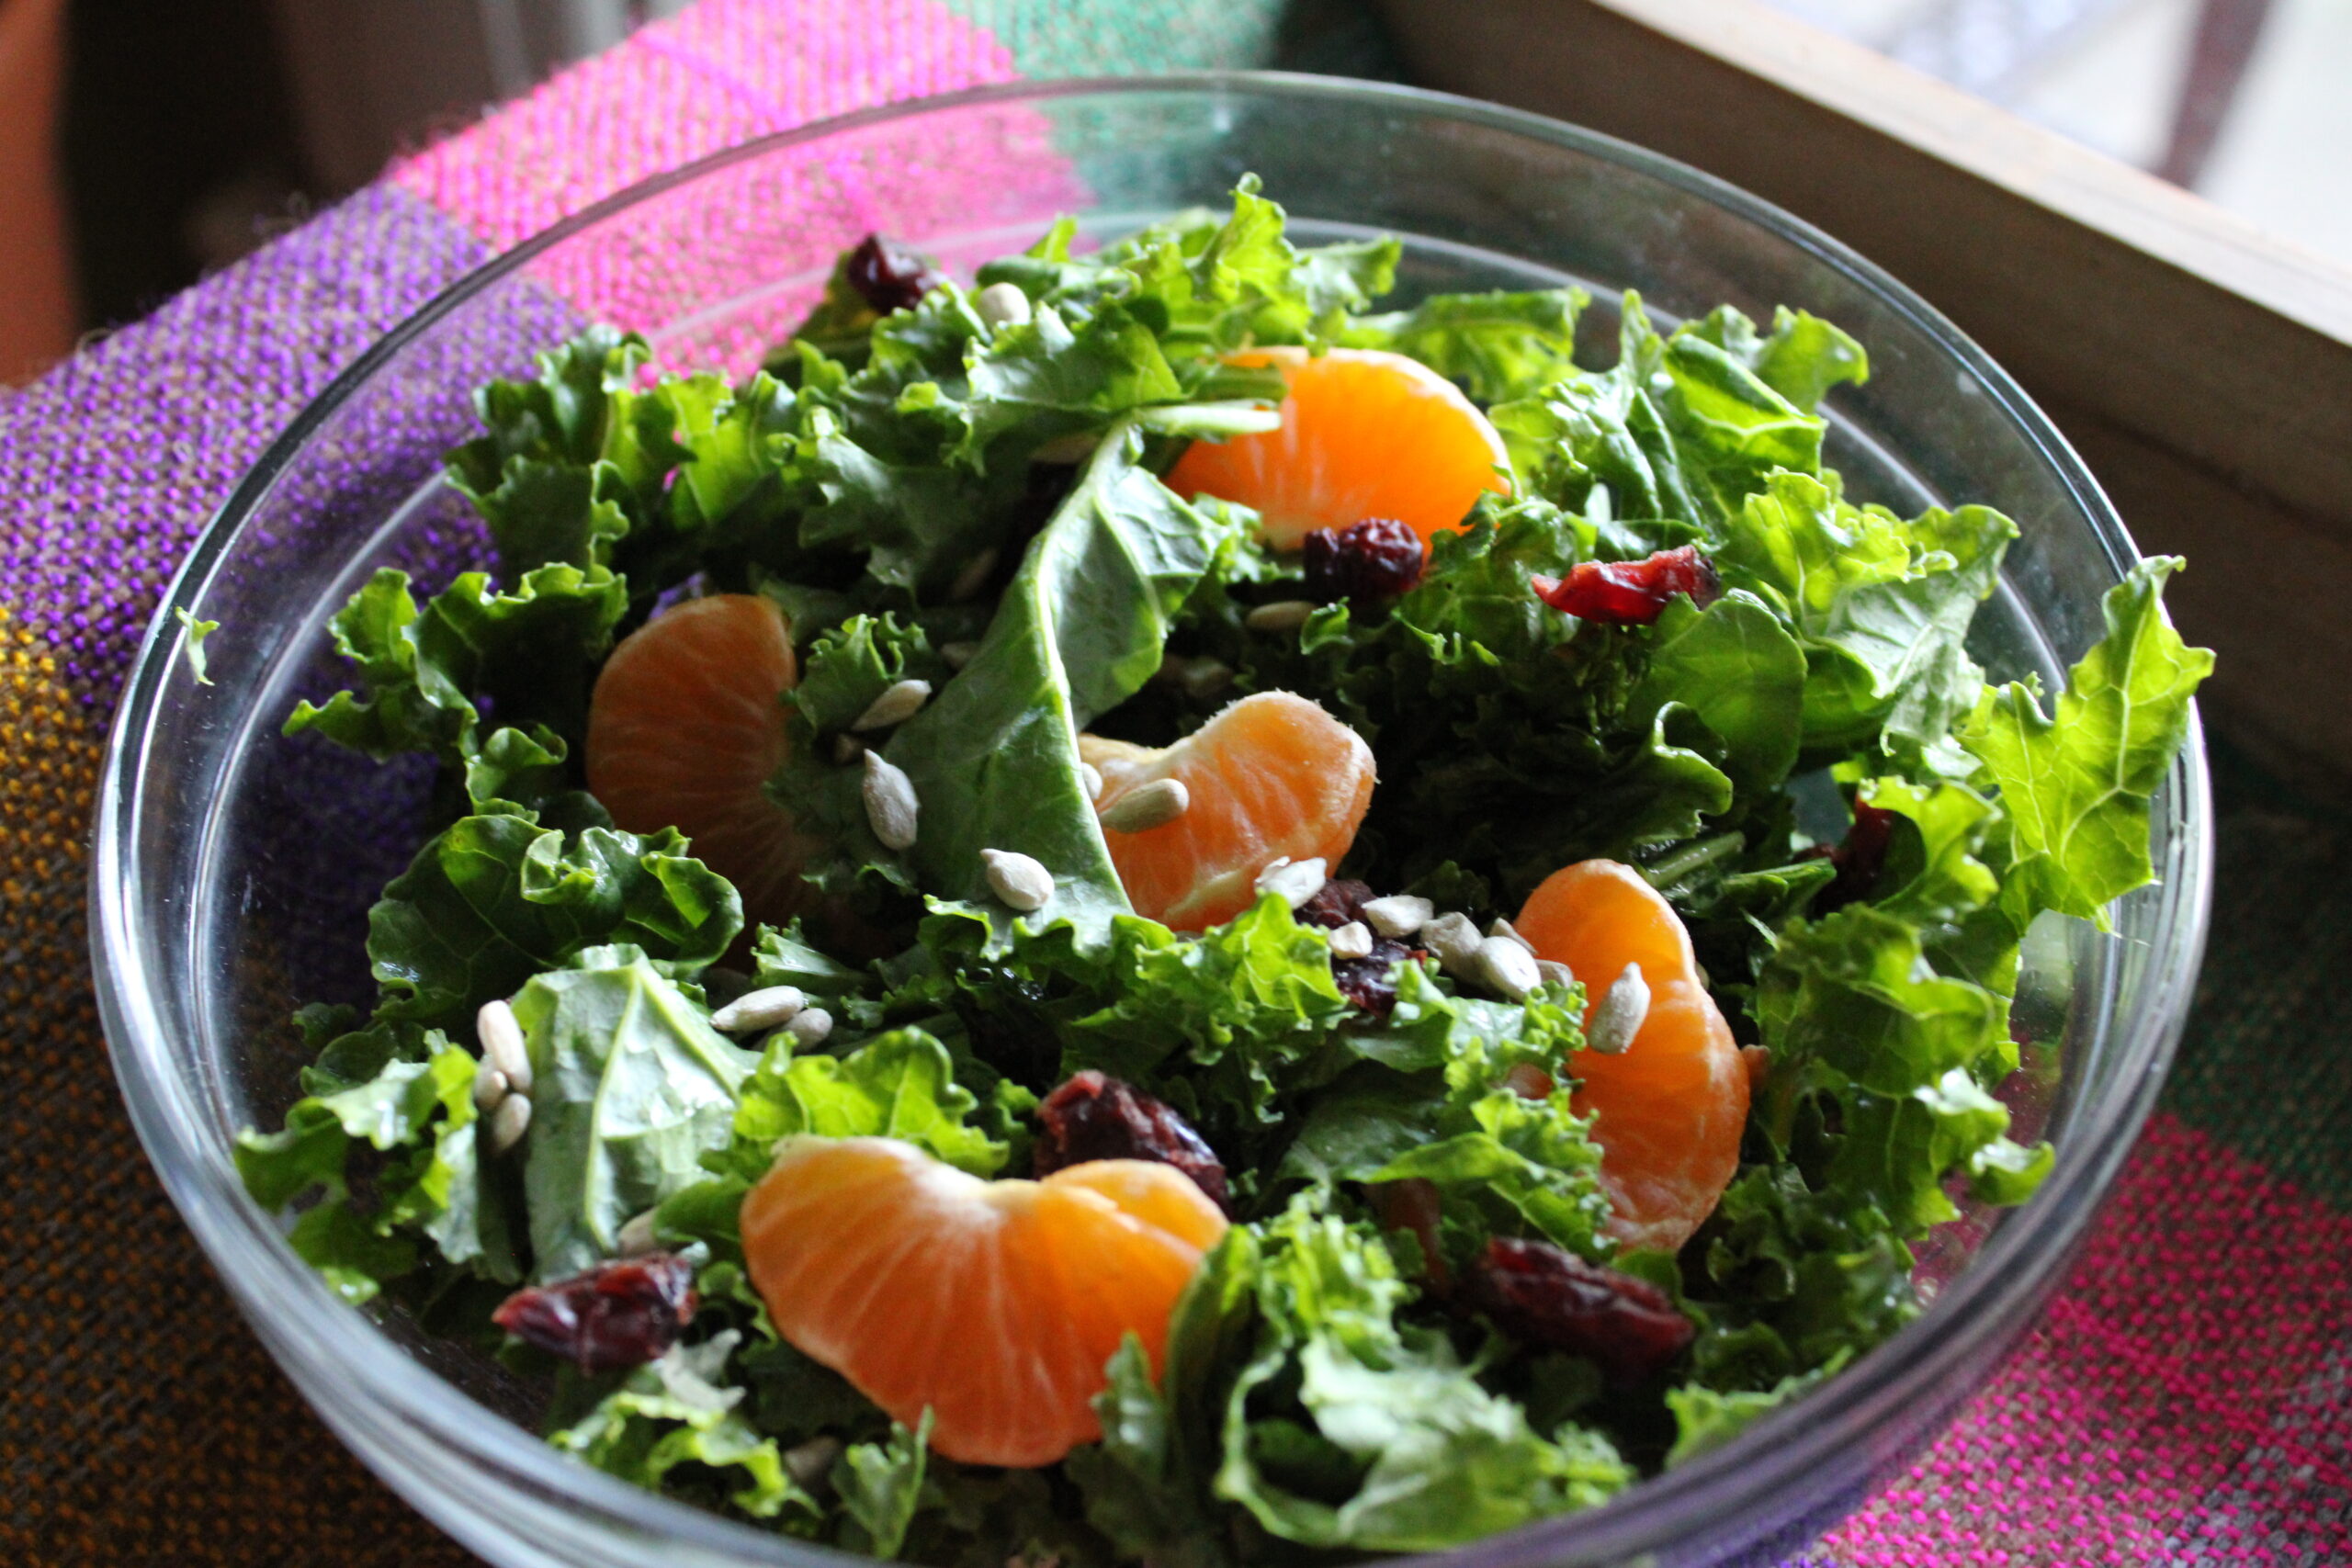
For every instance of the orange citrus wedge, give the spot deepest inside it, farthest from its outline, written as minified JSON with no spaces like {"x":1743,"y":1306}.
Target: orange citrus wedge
{"x":1668,"y":1110}
{"x":1272,"y":775}
{"x":993,"y":1304}
{"x":1364,"y":433}
{"x":686,"y":728}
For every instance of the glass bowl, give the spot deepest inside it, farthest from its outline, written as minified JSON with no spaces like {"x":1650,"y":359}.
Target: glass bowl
{"x":233,"y":868}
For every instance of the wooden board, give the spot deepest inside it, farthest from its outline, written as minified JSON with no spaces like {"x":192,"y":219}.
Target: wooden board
{"x":2203,"y":369}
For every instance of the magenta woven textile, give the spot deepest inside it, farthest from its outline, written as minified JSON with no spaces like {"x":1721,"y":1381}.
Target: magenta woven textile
{"x":2184,"y":1402}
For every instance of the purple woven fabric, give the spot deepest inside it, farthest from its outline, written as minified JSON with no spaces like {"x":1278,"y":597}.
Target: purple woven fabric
{"x":140,"y":1421}
{"x":111,"y":464}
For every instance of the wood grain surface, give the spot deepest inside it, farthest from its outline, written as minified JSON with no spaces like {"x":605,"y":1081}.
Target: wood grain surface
{"x":2202,"y":368}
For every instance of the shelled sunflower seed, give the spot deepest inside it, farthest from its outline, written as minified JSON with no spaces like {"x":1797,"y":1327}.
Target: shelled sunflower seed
{"x":1282,"y":615}
{"x":1293,"y":881}
{"x":891,"y":808}
{"x":760,"y":1010}
{"x":509,"y":1122}
{"x":502,"y":1046}
{"x":1508,"y":966}
{"x":1352,"y":940}
{"x":1148,"y":805}
{"x":1002,"y":305}
{"x":973,"y":578}
{"x":957,"y":654}
{"x":1619,"y":1013}
{"x":900,"y":702}
{"x":1398,"y":914}
{"x":1020,"y":881}
{"x":1453,"y":938}
{"x":1503,"y":929}
{"x":810,"y":1027}
{"x":1556,"y":973}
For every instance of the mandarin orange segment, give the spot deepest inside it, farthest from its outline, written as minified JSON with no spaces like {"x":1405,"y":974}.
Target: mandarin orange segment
{"x":993,"y":1304}
{"x":1271,"y":775}
{"x":686,"y":728}
{"x":1364,"y":433}
{"x":1668,"y":1110}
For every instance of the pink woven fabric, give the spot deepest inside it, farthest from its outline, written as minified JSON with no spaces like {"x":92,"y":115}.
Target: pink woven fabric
{"x":717,"y":73}
{"x":2182,"y":1402}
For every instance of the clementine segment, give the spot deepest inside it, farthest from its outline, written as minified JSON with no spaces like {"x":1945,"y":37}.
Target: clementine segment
{"x":1667,"y":1111}
{"x":686,"y":728}
{"x":1272,"y":775}
{"x":994,"y":1304}
{"x":1364,"y":433}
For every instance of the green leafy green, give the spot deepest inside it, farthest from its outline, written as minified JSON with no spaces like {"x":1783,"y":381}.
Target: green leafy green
{"x":493,"y":900}
{"x":993,"y":758}
{"x":680,"y":1410}
{"x":881,"y":1486}
{"x":1880,"y":606}
{"x":898,"y":1085}
{"x":631,"y":1087}
{"x":1388,"y":1442}
{"x":197,"y":631}
{"x":1498,"y":345}
{"x":2076,"y":785}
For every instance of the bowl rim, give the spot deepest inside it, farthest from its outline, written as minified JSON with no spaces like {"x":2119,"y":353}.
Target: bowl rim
{"x":299,"y":1317}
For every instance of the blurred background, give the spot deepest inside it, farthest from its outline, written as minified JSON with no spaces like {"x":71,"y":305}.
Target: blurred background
{"x":145,"y":143}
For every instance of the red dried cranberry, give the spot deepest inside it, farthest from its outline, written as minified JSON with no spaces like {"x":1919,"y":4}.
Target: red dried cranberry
{"x":1633,"y":593}
{"x":1859,"y":858}
{"x":1543,"y":1296}
{"x":1411,"y":1206}
{"x":887,"y":278}
{"x":1370,"y":982}
{"x":1094,"y":1116}
{"x":619,"y":1315}
{"x":1377,"y":558}
{"x":1336,"y":903}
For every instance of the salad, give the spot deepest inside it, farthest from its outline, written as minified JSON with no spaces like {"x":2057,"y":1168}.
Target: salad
{"x":1140,"y":912}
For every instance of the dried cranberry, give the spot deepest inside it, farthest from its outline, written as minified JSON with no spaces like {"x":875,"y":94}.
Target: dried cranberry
{"x":1543,"y":1296}
{"x":1370,"y":982}
{"x":1097,"y":1117}
{"x":1411,"y":1206}
{"x":1377,"y":558}
{"x":619,"y":1315}
{"x":1633,"y":593}
{"x":1336,"y":903}
{"x":887,"y":278}
{"x":1859,"y":858}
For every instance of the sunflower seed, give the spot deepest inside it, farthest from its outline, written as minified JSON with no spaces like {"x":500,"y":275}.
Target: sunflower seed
{"x":501,"y":1045}
{"x":1002,"y":305}
{"x":847,"y":748}
{"x":509,"y":1122}
{"x":958,"y":654}
{"x":1282,"y":615}
{"x":1154,"y":805}
{"x":1556,"y":973}
{"x":1399,"y":914}
{"x":1075,"y":447}
{"x":1352,"y":940}
{"x":811,"y":1464}
{"x":1091,"y":777}
{"x":1618,"y":1016}
{"x":809,"y":1026}
{"x":900,"y":702}
{"x":1502,"y":929}
{"x":637,"y":1238}
{"x":1295,"y":882}
{"x":1022,"y":882}
{"x":1507,"y":967}
{"x":1196,"y":678}
{"x":890,"y":805}
{"x":1454,"y":940}
{"x":755,"y":1010}
{"x":489,"y":1088}
{"x":973,"y":578}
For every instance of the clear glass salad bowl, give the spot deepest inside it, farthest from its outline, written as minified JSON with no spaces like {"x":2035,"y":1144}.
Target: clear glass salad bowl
{"x":233,"y":868}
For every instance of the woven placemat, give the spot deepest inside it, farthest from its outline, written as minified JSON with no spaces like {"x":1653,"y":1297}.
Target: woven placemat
{"x":2184,"y":1402}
